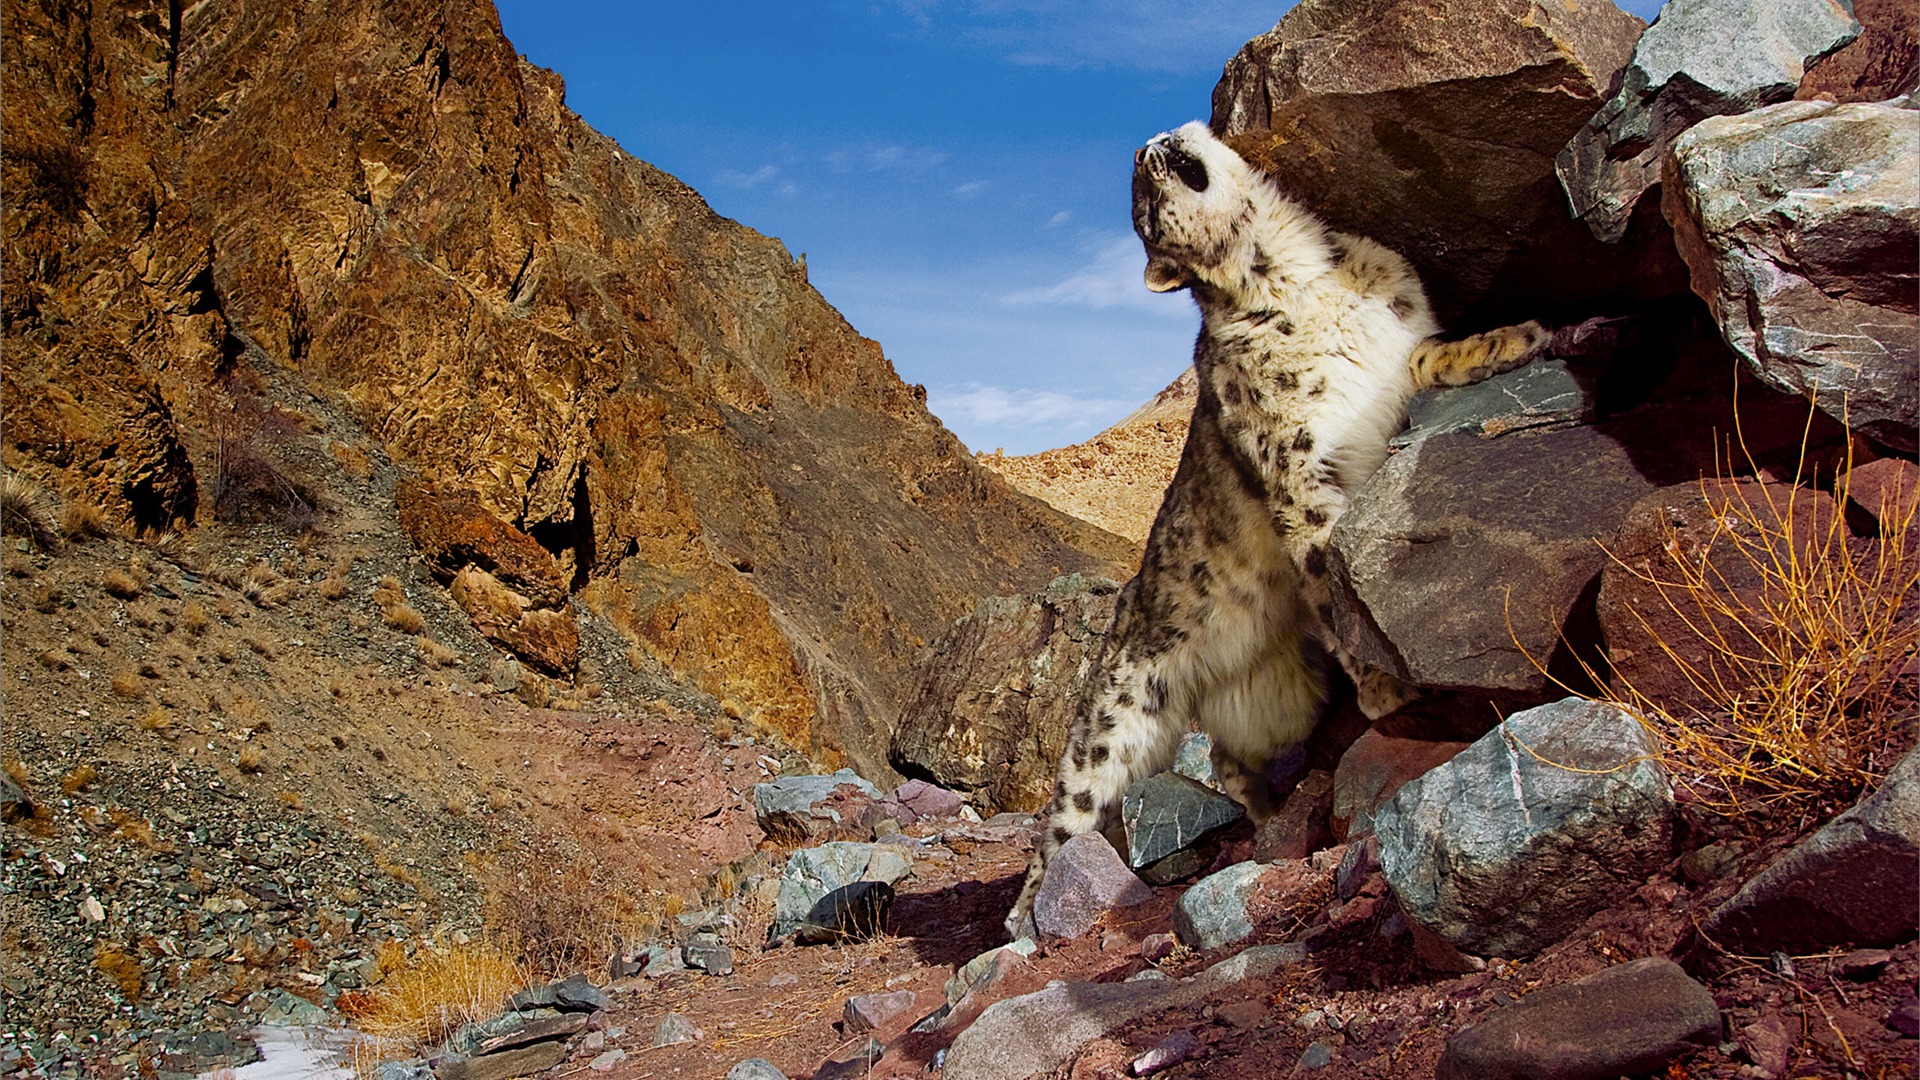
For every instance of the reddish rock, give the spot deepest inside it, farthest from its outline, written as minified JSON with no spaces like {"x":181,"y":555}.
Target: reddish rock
{"x":1300,"y":827}
{"x":1645,"y":619}
{"x":452,"y":530}
{"x":1451,"y":112}
{"x":1085,"y":879}
{"x":1886,"y":491}
{"x":1372,"y":770}
{"x":1629,"y":1019}
{"x":1882,"y":63}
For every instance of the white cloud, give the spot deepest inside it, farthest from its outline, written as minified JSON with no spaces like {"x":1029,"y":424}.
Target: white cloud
{"x":885,"y":157}
{"x":759,"y":176}
{"x":1111,"y":278}
{"x":969,"y":189}
{"x":993,"y":406}
{"x":1059,"y":219}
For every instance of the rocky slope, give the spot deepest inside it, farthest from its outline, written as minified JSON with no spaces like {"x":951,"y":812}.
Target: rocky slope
{"x":1115,"y":479}
{"x":382,"y":207}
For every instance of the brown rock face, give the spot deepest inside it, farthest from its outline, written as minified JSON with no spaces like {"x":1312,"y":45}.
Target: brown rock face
{"x":1883,"y":62}
{"x":993,"y":699}
{"x":382,"y":206}
{"x":1432,"y":128}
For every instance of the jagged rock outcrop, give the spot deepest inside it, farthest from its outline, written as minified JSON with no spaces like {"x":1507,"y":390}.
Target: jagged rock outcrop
{"x":383,"y":206}
{"x":1799,"y":223}
{"x":1450,"y":114}
{"x":991,"y":704}
{"x":1687,"y":67}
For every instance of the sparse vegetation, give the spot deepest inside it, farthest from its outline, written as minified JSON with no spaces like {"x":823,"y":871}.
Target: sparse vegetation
{"x":437,"y":654}
{"x":26,"y":511}
{"x":250,"y":760}
{"x":394,"y":610}
{"x":566,"y":910}
{"x":123,"y":584}
{"x":126,"y":683}
{"x":194,"y":618}
{"x":155,"y":719}
{"x":1805,"y":695}
{"x":423,"y":999}
{"x":81,"y":521}
{"x":78,"y":779}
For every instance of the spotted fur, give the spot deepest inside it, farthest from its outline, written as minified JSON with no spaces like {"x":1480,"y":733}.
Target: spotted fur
{"x":1311,"y":342}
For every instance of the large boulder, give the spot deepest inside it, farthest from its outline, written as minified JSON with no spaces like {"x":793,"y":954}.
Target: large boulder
{"x":1548,"y":818}
{"x":812,"y":873}
{"x":1450,"y":113}
{"x":1085,"y":879}
{"x":1700,"y":58}
{"x":1799,"y":223}
{"x":1882,"y":63}
{"x":991,"y":702}
{"x":1855,"y":881}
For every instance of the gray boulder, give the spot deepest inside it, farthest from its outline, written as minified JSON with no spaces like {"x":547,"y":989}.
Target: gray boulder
{"x":1168,"y":819}
{"x":1213,"y":911}
{"x":1700,"y":58}
{"x":1454,"y":584}
{"x":812,"y":873}
{"x":1799,"y":223}
{"x":990,"y":704}
{"x":755,"y":1069}
{"x":1085,"y":879}
{"x":793,"y":808}
{"x":1855,"y":881}
{"x":1631,"y":1019}
{"x":1514,"y":842}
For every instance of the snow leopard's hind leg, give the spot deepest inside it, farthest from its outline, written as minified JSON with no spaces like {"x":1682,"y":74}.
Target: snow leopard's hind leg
{"x":1471,"y":359}
{"x":1125,"y":731}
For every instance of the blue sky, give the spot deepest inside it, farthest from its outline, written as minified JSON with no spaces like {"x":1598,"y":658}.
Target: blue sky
{"x":955,"y":171}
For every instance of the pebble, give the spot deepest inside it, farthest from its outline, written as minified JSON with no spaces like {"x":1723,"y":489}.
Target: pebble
{"x":755,"y":1069}
{"x":675,"y":1028}
{"x":1173,"y":1050}
{"x":605,"y":1062}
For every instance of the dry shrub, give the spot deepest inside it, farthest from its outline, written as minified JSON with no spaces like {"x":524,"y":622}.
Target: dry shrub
{"x":1801,"y":701}
{"x":26,"y":510}
{"x":352,"y":460}
{"x":423,"y":999}
{"x":47,"y":597}
{"x":81,"y":521}
{"x":248,"y":485}
{"x":404,"y":619}
{"x":155,"y":719}
{"x":291,"y":800}
{"x":124,"y":584}
{"x":567,"y":910}
{"x":194,"y":619}
{"x":120,"y":966}
{"x":54,"y":661}
{"x":437,"y":654}
{"x":78,"y":778}
{"x":336,"y":586}
{"x":251,"y":760}
{"x":127,"y":684}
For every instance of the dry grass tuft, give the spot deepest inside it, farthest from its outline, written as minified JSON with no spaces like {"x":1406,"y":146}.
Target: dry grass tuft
{"x":78,"y":779}
{"x":421,"y":1000}
{"x":26,"y":510}
{"x":127,"y":684}
{"x":81,"y":521}
{"x":437,"y":654}
{"x":194,"y":618}
{"x":120,"y":966}
{"x":335,"y":585}
{"x":394,"y":610}
{"x":155,"y":719}
{"x":1804,"y":697}
{"x":251,"y":760}
{"x":124,"y":584}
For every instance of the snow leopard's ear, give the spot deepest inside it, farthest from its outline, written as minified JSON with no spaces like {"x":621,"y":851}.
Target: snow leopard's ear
{"x":1166,"y":275}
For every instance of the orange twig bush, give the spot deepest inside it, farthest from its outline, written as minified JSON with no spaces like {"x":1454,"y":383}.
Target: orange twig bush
{"x":432,"y":993}
{"x":1803,"y":690}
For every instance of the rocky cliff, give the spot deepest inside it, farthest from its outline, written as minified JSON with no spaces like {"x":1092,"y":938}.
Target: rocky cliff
{"x":221,"y":216}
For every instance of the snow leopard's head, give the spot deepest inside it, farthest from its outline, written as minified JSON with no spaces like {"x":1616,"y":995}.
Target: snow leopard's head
{"x":1209,"y":220}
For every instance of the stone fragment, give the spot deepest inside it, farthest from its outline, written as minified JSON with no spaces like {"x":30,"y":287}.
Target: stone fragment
{"x":1340,"y":103}
{"x":1863,"y":965}
{"x":1085,"y":879}
{"x":15,"y":804}
{"x":1358,"y":863}
{"x":812,"y":873}
{"x":1885,"y":491}
{"x":571,"y":994}
{"x":867,"y":1012}
{"x":1373,"y":770}
{"x":1546,"y":819}
{"x":792,"y":808}
{"x":1317,"y":1055}
{"x":755,"y":1069}
{"x":1193,"y":759}
{"x":1541,"y":394}
{"x":513,"y":1029}
{"x":1797,"y":222}
{"x":854,"y":1067}
{"x":1454,"y":585}
{"x":712,"y":959}
{"x":1853,"y":881}
{"x":1172,"y":1050}
{"x":853,"y":912}
{"x":1166,"y":813}
{"x":1686,"y":68}
{"x":1213,"y":911}
{"x":989,"y":707}
{"x":1767,"y":1045}
{"x":1710,"y":863}
{"x":525,"y":1061}
{"x":676,"y":1028}
{"x":1632,"y":1018}
{"x":917,"y":799}
{"x":1300,"y":826}
{"x":1033,"y":1034}
{"x":983,"y":970}
{"x":1905,"y":1017}
{"x":605,"y":1062}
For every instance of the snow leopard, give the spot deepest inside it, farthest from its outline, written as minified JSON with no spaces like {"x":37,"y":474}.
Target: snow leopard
{"x":1311,"y":344}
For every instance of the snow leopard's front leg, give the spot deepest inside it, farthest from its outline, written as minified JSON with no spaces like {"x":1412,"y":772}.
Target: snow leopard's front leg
{"x":1126,"y":729}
